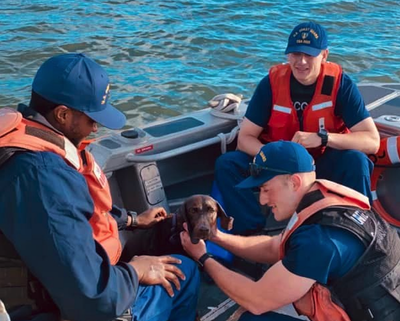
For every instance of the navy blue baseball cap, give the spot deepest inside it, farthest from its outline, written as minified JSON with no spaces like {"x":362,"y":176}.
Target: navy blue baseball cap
{"x":278,"y":158}
{"x":309,"y":38}
{"x":78,"y":82}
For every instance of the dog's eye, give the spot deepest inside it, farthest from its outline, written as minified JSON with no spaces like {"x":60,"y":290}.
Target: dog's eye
{"x":193,"y":210}
{"x":211,"y":209}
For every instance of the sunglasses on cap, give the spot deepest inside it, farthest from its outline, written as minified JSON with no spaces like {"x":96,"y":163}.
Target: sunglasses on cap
{"x":255,"y":170}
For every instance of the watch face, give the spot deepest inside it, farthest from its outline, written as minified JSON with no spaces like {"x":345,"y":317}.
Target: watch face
{"x":323,"y":131}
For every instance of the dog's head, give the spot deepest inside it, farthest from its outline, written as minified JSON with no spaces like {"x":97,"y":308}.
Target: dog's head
{"x":200,"y":212}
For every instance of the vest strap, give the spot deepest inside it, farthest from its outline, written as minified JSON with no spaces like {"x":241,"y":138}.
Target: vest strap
{"x":327,"y":85}
{"x":7,"y":152}
{"x":45,"y":135}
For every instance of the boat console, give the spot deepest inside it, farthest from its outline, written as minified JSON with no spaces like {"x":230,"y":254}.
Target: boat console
{"x":165,"y":162}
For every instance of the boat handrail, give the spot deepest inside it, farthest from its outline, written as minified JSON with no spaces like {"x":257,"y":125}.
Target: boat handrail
{"x":382,"y":100}
{"x":222,"y":138}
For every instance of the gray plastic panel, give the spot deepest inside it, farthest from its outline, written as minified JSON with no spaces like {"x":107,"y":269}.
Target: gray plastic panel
{"x":391,"y":107}
{"x":173,"y":127}
{"x":109,"y":144}
{"x":373,"y":93}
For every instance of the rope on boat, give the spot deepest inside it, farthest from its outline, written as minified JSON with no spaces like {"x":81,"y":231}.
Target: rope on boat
{"x":228,"y":106}
{"x":226,"y":141}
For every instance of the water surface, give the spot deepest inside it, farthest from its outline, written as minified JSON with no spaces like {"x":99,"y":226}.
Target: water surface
{"x":166,"y":58}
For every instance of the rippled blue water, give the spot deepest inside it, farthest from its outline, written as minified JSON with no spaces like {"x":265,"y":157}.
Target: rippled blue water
{"x":169,"y":57}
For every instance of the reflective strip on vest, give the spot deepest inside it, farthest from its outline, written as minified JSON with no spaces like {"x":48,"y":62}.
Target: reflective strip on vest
{"x":71,"y":154}
{"x":282,"y":109}
{"x":322,"y":105}
{"x":392,"y":150}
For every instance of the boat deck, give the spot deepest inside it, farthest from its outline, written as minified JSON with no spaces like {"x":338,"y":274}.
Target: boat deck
{"x":170,"y":160}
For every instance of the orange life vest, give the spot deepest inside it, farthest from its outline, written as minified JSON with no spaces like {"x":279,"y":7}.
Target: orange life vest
{"x":317,"y":304}
{"x":16,"y":131}
{"x":320,"y":112}
{"x":387,"y":156}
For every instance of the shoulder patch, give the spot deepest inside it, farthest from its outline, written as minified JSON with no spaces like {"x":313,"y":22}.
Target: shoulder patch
{"x":99,"y":174}
{"x":359,"y":217}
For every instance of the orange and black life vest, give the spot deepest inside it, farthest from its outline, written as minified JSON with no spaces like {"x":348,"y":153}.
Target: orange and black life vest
{"x":18,"y":132}
{"x":375,"y":274}
{"x":319,"y":113}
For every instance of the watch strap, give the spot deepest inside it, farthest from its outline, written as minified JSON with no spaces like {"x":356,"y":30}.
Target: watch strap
{"x":324,"y":140}
{"x":201,"y":261}
{"x":133,"y":215}
{"x":324,"y":137}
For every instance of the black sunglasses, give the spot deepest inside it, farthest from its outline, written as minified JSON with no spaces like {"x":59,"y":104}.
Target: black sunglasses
{"x":255,"y":170}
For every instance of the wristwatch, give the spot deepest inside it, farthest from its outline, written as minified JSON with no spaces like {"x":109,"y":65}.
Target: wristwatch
{"x":203,"y":259}
{"x":133,"y":215}
{"x":324,"y":136}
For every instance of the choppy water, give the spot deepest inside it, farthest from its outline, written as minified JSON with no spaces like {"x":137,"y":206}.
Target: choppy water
{"x":170,"y":57}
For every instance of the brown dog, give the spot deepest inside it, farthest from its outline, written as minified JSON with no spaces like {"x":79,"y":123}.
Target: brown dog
{"x":200,"y":212}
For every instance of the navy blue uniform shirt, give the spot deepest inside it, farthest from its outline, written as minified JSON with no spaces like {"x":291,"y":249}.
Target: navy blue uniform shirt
{"x":45,"y":207}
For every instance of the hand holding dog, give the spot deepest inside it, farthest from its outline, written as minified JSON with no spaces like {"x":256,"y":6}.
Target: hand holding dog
{"x":194,"y":250}
{"x":151,"y":217}
{"x":153,"y":270}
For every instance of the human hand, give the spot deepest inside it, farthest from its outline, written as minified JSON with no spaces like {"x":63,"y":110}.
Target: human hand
{"x":153,"y":270}
{"x":216,"y":235}
{"x":3,"y":313}
{"x":194,"y":250}
{"x":308,"y":140}
{"x":151,"y":216}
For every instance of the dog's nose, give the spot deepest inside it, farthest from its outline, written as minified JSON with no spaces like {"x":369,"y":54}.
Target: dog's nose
{"x":204,"y":229}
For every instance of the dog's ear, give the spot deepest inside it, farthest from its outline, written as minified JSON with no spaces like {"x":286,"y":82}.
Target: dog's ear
{"x":179,"y":211}
{"x":181,"y":214}
{"x":226,"y":221}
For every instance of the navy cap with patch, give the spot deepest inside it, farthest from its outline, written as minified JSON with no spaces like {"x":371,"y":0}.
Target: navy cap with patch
{"x":278,"y":158}
{"x":78,"y":82}
{"x":309,"y":38}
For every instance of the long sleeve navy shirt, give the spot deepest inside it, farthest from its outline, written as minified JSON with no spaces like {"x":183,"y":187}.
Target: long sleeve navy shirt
{"x":45,"y":207}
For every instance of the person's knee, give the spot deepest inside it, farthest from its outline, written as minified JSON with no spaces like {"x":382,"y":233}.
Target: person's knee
{"x":225,"y":160}
{"x":230,"y":160}
{"x":188,"y":267}
{"x":356,"y":161}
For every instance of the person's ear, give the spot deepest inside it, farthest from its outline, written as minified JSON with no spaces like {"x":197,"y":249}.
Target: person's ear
{"x":61,"y":114}
{"x":325,"y":54}
{"x":296,"y":181}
